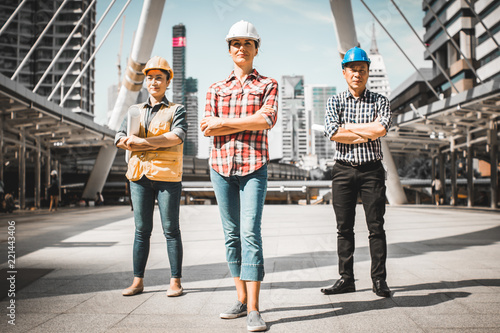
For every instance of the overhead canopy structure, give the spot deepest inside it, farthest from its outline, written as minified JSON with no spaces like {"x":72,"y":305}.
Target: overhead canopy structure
{"x":33,"y":128}
{"x":46,"y":123}
{"x":465,"y":123}
{"x":451,"y":120}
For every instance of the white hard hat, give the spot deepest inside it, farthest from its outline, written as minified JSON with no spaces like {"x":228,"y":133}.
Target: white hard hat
{"x":53,"y":173}
{"x":243,"y":29}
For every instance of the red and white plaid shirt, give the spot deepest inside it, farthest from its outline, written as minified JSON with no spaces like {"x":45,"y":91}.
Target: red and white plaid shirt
{"x":242,"y":153}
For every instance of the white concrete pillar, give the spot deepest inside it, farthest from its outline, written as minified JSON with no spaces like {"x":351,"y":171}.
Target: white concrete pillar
{"x":395,"y":192}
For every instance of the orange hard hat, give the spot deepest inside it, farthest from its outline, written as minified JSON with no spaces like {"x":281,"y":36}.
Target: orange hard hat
{"x":158,"y":63}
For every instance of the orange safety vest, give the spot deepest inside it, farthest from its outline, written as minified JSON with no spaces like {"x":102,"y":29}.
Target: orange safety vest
{"x":162,"y":164}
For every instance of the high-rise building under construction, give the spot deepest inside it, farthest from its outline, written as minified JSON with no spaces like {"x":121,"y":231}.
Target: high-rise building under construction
{"x":179,"y":63}
{"x":191,"y":143}
{"x":26,"y":54}
{"x":185,"y":91}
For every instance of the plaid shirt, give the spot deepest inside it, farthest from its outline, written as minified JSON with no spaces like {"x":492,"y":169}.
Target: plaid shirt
{"x":242,"y":153}
{"x":343,"y":108}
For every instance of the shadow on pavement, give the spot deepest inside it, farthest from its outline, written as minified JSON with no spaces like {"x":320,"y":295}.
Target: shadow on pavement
{"x":70,"y":222}
{"x":294,"y":265}
{"x":22,"y":278}
{"x":345,"y":308}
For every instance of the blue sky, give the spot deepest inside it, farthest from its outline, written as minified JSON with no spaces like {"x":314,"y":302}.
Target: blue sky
{"x":298,"y":38}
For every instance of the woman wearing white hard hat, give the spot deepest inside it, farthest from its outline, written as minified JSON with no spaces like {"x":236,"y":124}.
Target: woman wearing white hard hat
{"x":155,"y":172}
{"x":238,"y":114}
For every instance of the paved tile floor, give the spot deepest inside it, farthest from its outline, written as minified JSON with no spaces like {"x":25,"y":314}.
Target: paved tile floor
{"x":443,"y":267}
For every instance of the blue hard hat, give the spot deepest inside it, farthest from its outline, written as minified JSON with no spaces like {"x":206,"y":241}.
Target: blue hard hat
{"x":355,"y":54}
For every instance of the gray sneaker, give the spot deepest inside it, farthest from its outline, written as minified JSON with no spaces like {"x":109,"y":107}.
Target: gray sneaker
{"x":237,"y":310}
{"x":255,"y":323}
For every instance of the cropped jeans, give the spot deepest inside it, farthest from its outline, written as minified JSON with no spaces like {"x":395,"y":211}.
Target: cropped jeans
{"x":143,"y":193}
{"x":241,"y":202}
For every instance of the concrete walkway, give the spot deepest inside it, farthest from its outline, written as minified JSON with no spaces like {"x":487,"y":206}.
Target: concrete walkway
{"x":443,"y":266}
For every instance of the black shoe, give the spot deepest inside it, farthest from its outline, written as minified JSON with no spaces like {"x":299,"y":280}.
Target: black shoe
{"x":381,"y":289}
{"x":342,"y":286}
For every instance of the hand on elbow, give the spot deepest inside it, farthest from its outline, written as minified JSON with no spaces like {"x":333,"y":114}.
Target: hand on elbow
{"x":211,"y":123}
{"x":380,"y":133}
{"x":121,"y":146}
{"x":122,"y":143}
{"x":381,"y":129}
{"x":267,"y":110}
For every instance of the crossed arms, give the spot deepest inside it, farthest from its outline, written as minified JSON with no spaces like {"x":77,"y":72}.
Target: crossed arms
{"x":342,"y":131}
{"x":359,"y":133}
{"x":135,"y":143}
{"x":216,"y":126}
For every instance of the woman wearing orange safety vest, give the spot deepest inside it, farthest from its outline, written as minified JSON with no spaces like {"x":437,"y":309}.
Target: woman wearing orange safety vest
{"x":155,"y":172}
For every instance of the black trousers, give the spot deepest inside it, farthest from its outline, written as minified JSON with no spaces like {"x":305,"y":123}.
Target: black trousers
{"x":369,"y":182}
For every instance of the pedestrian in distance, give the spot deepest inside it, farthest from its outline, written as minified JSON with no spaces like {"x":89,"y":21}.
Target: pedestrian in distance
{"x":155,"y":173}
{"x":355,"y":120}
{"x":99,"y":199}
{"x":53,"y":191}
{"x":238,"y":114}
{"x":437,"y":189}
{"x":8,"y":204}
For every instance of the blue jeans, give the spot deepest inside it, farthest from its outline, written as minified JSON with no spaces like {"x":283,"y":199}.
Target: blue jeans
{"x":143,"y":194}
{"x":241,"y":201}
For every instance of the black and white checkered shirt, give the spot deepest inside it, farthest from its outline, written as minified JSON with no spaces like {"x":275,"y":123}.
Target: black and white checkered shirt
{"x":344,"y":108}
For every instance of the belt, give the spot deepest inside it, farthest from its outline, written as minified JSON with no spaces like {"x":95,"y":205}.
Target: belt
{"x":356,"y":165}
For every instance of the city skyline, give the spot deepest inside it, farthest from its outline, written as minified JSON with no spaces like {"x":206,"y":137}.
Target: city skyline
{"x":287,"y":48}
{"x":433,"y":111}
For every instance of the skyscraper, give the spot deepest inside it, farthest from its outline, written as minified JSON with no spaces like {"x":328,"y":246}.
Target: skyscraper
{"x":191,"y":142}
{"x":185,"y":91}
{"x":24,"y":30}
{"x":458,"y":18}
{"x":316,"y":96}
{"x":179,"y":63}
{"x":378,"y":81}
{"x":294,"y":118}
{"x":472,"y":46}
{"x":486,"y":50}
